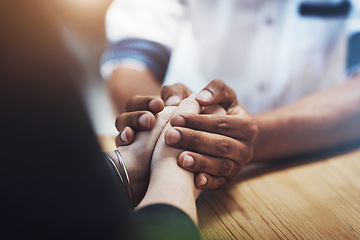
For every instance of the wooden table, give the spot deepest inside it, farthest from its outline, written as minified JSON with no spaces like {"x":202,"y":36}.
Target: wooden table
{"x":311,"y":197}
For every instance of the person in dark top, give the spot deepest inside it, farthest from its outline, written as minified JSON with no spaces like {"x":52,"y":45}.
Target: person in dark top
{"x":55,"y":181}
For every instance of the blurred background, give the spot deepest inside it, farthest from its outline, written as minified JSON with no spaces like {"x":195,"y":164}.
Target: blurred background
{"x":83,"y":28}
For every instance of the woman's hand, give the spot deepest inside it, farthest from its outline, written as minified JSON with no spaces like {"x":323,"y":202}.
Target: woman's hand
{"x":137,"y":155}
{"x":169,"y":183}
{"x":217,"y":143}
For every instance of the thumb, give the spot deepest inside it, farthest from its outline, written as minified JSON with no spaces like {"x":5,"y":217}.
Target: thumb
{"x":217,"y":92}
{"x":173,"y":94}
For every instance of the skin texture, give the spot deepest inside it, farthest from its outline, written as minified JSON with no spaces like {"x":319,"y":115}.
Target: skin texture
{"x":219,"y":142}
{"x":169,"y":183}
{"x":138,"y":162}
{"x":154,"y":169}
{"x":218,"y":145}
{"x":320,"y":120}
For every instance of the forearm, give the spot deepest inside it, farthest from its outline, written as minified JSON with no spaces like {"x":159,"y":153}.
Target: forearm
{"x":126,"y":83}
{"x":169,"y":184}
{"x":318,"y":121}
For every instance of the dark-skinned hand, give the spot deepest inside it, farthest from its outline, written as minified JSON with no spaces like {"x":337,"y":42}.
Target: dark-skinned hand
{"x":217,"y":143}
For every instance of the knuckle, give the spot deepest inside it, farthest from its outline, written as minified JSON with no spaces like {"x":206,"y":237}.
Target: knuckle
{"x":165,"y":91}
{"x":246,"y":155}
{"x":222,"y":125}
{"x":217,"y":86}
{"x":165,"y":88}
{"x":252,"y":129}
{"x":200,"y":164}
{"x":224,"y":146}
{"x":194,"y":139}
{"x":132,"y":101}
{"x":137,"y":102}
{"x":192,"y":121}
{"x":225,"y":168}
{"x":175,"y":88}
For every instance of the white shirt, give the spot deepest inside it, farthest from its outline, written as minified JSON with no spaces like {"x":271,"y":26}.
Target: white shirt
{"x":264,"y":49}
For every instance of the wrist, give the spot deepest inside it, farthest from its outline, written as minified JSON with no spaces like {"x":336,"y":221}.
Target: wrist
{"x":172,"y":185}
{"x":137,"y":174}
{"x":138,"y":182}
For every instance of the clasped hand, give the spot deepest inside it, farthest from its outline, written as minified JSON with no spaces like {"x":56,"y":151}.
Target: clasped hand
{"x":214,"y":141}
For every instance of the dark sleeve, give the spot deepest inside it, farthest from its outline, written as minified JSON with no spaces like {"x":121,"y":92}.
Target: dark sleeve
{"x":162,"y":221}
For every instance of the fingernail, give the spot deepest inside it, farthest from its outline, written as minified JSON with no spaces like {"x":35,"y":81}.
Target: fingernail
{"x":178,"y":121}
{"x":123,"y":136}
{"x":188,"y":161}
{"x":172,"y":136}
{"x":144,"y":120}
{"x":155,"y":105}
{"x":173,"y":100}
{"x":203,"y":181}
{"x":204,"y":95}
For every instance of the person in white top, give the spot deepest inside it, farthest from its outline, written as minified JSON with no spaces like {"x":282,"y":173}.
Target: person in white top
{"x":292,"y":64}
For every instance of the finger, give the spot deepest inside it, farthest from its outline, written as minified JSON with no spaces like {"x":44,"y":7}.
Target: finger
{"x":209,"y":182}
{"x":140,"y":120}
{"x":208,"y":143}
{"x":229,"y":125}
{"x":188,"y":105}
{"x":145,"y":103}
{"x":217,"y":92}
{"x":213,"y":109}
{"x":125,"y":137}
{"x":220,"y":167}
{"x":172,"y":95}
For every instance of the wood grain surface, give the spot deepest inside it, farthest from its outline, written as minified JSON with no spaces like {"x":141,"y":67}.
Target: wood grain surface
{"x":312,"y":197}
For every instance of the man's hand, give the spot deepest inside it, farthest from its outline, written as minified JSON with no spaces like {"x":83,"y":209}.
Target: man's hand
{"x":172,"y":95}
{"x":141,"y":110}
{"x":140,"y":115}
{"x":217,"y":146}
{"x":218,"y":142}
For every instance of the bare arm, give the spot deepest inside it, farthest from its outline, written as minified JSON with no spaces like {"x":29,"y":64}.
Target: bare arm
{"x":126,"y":83}
{"x":169,"y":183}
{"x":321,"y":120}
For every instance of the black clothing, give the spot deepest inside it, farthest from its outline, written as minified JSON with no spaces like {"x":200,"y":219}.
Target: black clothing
{"x":55,"y":183}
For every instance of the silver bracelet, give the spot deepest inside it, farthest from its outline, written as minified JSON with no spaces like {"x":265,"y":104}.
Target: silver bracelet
{"x":114,"y":165}
{"x":123,"y":177}
{"x":126,"y":178}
